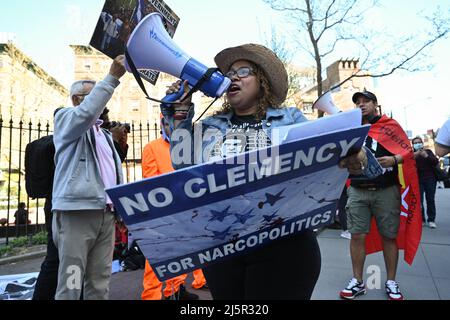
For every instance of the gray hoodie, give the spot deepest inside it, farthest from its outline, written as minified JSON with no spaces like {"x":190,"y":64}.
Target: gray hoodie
{"x":77,"y":184}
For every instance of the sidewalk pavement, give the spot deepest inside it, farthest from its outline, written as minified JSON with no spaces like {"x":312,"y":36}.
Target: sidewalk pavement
{"x":427,"y":279}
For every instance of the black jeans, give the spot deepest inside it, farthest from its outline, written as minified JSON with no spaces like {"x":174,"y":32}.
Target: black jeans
{"x":429,"y":188}
{"x":48,"y":276}
{"x":286,"y":269}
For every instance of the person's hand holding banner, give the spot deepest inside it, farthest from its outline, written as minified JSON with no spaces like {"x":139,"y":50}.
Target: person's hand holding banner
{"x":387,"y":162}
{"x":355,"y":163}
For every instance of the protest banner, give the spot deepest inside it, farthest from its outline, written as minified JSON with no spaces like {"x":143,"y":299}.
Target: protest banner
{"x":18,"y":286}
{"x":197,"y":216}
{"x":118,"y":20}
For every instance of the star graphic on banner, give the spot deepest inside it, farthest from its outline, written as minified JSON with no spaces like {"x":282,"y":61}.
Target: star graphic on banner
{"x":277,"y":221}
{"x":320,"y":200}
{"x":220,"y":215}
{"x":271,"y":217}
{"x":220,"y":235}
{"x":271,"y":199}
{"x":242,"y":218}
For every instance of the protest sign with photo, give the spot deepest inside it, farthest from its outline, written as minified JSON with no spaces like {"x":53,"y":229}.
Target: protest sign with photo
{"x":118,"y":20}
{"x":197,"y":216}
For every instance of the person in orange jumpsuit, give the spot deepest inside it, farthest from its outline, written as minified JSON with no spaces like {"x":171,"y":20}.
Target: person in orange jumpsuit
{"x":156,"y":161}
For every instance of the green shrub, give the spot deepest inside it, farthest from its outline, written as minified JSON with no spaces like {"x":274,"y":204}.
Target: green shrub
{"x":19,"y":242}
{"x":5,"y":250}
{"x":39,"y":238}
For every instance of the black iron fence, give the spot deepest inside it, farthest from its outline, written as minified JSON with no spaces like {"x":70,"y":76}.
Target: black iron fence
{"x":14,"y":136}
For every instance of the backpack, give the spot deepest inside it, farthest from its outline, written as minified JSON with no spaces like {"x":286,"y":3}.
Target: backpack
{"x":39,"y":167}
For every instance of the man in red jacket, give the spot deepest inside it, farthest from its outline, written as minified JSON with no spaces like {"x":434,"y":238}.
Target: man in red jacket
{"x":383,"y":213}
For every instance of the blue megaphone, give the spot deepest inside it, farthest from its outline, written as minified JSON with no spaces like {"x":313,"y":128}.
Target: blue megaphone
{"x":151,"y":47}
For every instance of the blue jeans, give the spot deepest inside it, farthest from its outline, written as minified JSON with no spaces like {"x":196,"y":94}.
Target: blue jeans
{"x":429,"y":188}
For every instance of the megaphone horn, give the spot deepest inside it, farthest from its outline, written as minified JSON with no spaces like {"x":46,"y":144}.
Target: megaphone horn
{"x":151,"y":47}
{"x":326,"y":104}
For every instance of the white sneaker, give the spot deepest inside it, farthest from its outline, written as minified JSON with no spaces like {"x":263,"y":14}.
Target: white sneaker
{"x":432,"y":225}
{"x":393,"y":290}
{"x":347,"y":235}
{"x":353,"y":290}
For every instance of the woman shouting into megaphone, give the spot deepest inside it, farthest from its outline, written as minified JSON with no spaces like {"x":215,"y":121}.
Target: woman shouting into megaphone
{"x":286,"y":268}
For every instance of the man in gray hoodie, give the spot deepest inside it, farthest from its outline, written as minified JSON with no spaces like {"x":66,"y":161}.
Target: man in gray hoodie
{"x":83,"y":216}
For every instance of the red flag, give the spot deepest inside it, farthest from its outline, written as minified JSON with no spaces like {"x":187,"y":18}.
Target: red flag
{"x":392,"y":137}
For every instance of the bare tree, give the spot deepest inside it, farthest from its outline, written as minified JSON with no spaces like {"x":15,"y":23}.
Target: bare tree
{"x":298,"y":78}
{"x":328,"y":24}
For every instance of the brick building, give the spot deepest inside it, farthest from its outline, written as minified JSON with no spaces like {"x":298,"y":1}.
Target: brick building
{"x":342,"y":96}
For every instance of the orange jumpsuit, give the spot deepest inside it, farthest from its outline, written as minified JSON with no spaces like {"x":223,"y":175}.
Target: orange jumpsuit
{"x":156,"y":161}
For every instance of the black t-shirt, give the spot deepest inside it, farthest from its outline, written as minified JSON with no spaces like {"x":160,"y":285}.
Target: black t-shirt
{"x":425,"y":166}
{"x":246,"y":134}
{"x":21,"y":216}
{"x":389,"y":178}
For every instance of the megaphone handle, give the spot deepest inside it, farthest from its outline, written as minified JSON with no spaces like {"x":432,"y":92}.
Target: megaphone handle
{"x":172,"y":97}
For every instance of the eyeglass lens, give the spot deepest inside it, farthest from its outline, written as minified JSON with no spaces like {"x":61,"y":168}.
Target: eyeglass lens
{"x":241,"y":72}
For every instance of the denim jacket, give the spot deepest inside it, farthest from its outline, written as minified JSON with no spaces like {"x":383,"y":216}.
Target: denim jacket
{"x":215,"y":127}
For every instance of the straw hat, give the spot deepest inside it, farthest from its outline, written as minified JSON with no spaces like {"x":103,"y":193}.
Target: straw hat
{"x":265,"y":59}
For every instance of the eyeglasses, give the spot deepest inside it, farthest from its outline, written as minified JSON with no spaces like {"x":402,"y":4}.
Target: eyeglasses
{"x":241,"y":72}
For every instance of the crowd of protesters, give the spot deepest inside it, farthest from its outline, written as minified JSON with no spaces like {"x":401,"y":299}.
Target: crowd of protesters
{"x":88,"y":160}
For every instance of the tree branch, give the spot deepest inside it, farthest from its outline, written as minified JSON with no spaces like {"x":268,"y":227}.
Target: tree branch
{"x":397,"y":67}
{"x":274,"y":6}
{"x":339,"y":21}
{"x":341,"y":38}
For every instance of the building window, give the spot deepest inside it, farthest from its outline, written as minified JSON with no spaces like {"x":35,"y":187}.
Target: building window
{"x":87,"y":65}
{"x":307,"y":107}
{"x":134,"y":106}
